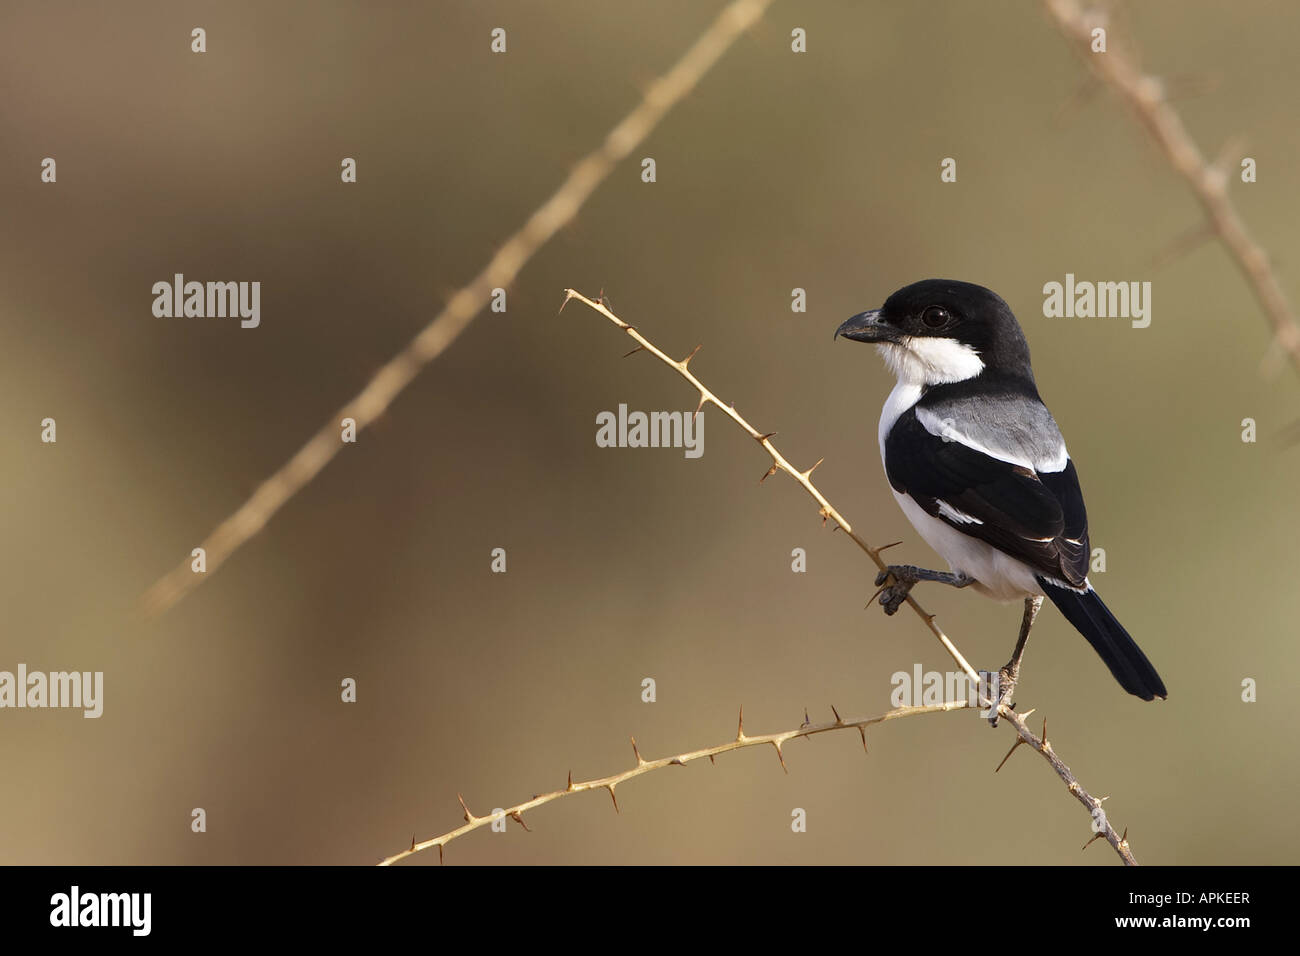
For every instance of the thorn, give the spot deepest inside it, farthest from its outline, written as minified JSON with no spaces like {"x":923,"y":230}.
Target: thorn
{"x":569,"y":788}
{"x":873,"y":597}
{"x":639,"y":348}
{"x":809,"y":472}
{"x":676,"y":761}
{"x":863,"y":732}
{"x":639,"y":761}
{"x":699,"y":406}
{"x":762,"y":438}
{"x":1181,"y":245}
{"x":469,"y":817}
{"x":518,"y":818}
{"x":1123,"y":840}
{"x":838,"y":718}
{"x":1027,"y":713}
{"x":441,"y":861}
{"x":780,"y":756}
{"x":1095,"y":838}
{"x":1043,"y":736}
{"x":740,"y":729}
{"x":712,"y":761}
{"x":610,"y":788}
{"x":826,"y":513}
{"x":1019,"y":741}
{"x":412,"y":842}
{"x":768,"y":474}
{"x":568,"y":294}
{"x":687,"y":361}
{"x":885,"y":547}
{"x":1192,"y":84}
{"x":607,"y":303}
{"x":1233,"y":146}
{"x":806,"y":721}
{"x":1080,"y":97}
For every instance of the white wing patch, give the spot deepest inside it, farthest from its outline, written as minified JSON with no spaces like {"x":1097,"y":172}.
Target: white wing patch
{"x":952,"y":514}
{"x":1050,"y":459}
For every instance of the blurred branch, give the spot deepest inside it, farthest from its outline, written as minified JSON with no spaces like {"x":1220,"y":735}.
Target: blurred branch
{"x":660,"y":97}
{"x":644,"y":766}
{"x":1209,"y":181}
{"x":827,"y":510}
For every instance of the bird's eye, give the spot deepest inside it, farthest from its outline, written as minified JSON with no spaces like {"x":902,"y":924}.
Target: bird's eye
{"x":934,"y":317}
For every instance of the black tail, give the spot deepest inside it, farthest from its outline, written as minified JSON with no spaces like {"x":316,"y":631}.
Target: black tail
{"x":1109,"y":639}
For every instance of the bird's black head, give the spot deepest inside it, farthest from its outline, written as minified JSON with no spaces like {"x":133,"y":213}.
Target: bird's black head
{"x":940,"y":330}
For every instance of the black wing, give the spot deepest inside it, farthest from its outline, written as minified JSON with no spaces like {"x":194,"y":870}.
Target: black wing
{"x":1038,"y":518}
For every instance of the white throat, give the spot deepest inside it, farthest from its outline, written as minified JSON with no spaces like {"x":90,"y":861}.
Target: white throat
{"x":917,"y":362}
{"x":920,"y":360}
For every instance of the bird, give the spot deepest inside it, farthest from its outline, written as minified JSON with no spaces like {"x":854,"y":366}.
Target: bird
{"x":979,"y":467}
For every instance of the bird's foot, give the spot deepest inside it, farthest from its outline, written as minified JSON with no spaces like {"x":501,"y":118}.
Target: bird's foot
{"x":895,"y":583}
{"x":1003,"y":687}
{"x":898,"y":579}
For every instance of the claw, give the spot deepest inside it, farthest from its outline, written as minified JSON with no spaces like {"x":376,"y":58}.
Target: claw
{"x":894,"y":589}
{"x":900,"y":578}
{"x":1007,"y":678}
{"x":893,"y":599}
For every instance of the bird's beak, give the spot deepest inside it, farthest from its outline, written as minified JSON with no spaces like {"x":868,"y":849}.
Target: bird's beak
{"x":868,"y":327}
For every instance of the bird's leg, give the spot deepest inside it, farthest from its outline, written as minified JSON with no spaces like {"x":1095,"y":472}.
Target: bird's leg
{"x":904,"y":576}
{"x":1010,"y":672}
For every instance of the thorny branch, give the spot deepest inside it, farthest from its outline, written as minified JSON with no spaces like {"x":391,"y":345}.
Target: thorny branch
{"x":660,"y":97}
{"x":643,"y":766}
{"x":827,"y":511}
{"x":1209,"y":181}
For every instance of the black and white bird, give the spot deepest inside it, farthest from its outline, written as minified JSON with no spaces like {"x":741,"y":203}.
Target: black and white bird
{"x":978,"y":465}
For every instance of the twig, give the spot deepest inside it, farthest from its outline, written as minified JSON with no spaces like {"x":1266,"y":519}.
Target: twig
{"x":643,"y":766}
{"x":1146,"y":95}
{"x":1090,"y":803}
{"x":664,"y":93}
{"x":827,"y":511}
{"x":779,"y":463}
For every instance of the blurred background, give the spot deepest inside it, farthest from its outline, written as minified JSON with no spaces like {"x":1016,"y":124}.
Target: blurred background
{"x":817,"y":170}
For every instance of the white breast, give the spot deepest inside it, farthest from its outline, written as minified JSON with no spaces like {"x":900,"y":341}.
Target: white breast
{"x":998,"y":575}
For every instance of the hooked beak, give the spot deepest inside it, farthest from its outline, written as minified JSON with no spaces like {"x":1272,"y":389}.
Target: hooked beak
{"x":869,"y":327}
